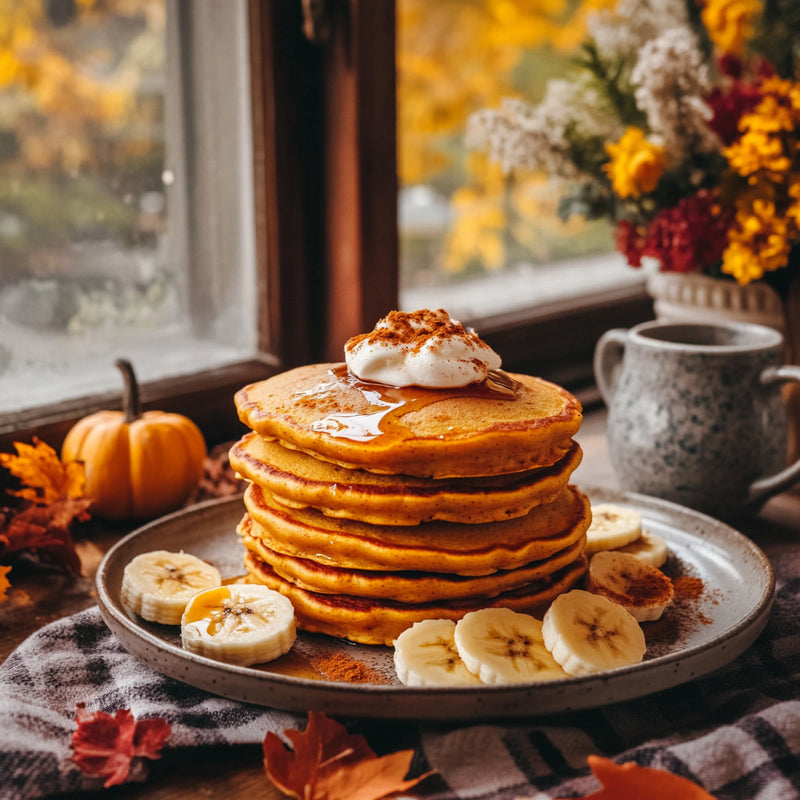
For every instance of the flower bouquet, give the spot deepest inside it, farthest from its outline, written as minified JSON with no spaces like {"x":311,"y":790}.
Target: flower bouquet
{"x":681,"y":124}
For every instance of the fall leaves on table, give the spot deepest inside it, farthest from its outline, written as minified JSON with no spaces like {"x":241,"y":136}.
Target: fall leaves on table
{"x":51,"y":498}
{"x":326,"y":762}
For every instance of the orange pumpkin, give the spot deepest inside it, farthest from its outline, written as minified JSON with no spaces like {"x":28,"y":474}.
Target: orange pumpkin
{"x":138,"y":465}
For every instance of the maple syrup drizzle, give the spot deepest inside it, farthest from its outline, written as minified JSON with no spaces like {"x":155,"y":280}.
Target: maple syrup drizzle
{"x":386,"y":404}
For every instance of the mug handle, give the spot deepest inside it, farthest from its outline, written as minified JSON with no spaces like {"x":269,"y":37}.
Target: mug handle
{"x":608,"y":355}
{"x":766,"y":487}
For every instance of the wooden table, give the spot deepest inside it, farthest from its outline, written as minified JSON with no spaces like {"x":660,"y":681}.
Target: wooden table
{"x":37,"y":598}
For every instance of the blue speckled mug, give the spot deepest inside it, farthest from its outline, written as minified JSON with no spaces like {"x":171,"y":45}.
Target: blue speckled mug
{"x":695,"y":412}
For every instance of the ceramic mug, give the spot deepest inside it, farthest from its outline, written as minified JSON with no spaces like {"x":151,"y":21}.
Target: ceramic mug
{"x":696,"y":414}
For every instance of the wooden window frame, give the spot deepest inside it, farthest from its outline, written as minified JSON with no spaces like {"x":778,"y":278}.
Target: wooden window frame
{"x":325,"y":186}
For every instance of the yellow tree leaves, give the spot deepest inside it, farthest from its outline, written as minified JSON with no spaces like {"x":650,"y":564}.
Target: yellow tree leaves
{"x":59,"y":87}
{"x":453,"y":58}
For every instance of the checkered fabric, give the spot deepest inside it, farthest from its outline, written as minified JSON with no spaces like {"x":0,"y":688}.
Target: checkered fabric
{"x":735,"y":732}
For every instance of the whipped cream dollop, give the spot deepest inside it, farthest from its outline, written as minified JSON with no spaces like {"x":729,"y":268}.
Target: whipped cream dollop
{"x":420,"y":348}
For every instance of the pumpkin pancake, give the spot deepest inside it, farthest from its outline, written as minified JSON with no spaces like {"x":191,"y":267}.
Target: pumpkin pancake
{"x":477,"y":430}
{"x":300,"y":480}
{"x":433,"y":546}
{"x":377,"y":621}
{"x":405,"y":587}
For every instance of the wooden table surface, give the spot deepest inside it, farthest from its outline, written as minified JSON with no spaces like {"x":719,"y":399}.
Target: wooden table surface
{"x":37,"y":598}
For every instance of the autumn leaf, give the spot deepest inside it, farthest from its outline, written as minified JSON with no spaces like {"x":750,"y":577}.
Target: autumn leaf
{"x":53,"y":498}
{"x":632,"y":782}
{"x":45,"y":531}
{"x":106,"y":746}
{"x":4,"y":583}
{"x":328,"y":763}
{"x":45,"y":478}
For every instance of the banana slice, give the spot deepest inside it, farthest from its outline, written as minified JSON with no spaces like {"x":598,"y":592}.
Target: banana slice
{"x":649,"y":547}
{"x":588,"y":633}
{"x":425,"y":655}
{"x":240,"y":623}
{"x":157,"y":585}
{"x":504,"y":646}
{"x":612,"y":526}
{"x":643,"y":590}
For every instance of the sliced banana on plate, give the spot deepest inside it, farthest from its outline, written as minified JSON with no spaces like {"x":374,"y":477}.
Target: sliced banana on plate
{"x":643,"y":590}
{"x":504,"y":646}
{"x":240,"y":623}
{"x":649,"y":547}
{"x":158,"y":584}
{"x":425,"y":655}
{"x":588,"y":633}
{"x":612,"y":526}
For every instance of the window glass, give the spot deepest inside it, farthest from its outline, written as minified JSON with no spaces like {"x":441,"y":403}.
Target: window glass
{"x":121,"y":233}
{"x":474,"y":239}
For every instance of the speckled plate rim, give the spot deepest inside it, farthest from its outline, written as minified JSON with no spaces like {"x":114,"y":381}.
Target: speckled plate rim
{"x":706,"y":543}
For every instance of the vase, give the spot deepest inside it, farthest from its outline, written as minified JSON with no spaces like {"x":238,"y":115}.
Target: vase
{"x":689,"y":297}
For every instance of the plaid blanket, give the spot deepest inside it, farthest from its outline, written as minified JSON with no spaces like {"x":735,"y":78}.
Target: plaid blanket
{"x":735,"y":732}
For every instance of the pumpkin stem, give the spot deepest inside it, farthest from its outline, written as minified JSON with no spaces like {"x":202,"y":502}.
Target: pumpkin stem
{"x":131,"y":404}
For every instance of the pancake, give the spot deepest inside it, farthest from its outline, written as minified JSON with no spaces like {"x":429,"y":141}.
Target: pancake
{"x":477,"y":430}
{"x":376,"y":621}
{"x":433,"y":546}
{"x":300,"y":480}
{"x":404,"y":587}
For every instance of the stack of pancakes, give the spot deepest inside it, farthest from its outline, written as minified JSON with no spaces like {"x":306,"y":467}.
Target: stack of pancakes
{"x":372,"y":507}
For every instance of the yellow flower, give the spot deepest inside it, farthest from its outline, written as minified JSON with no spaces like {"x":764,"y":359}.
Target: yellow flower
{"x":636,"y":164}
{"x":730,"y":23}
{"x":758,"y":242}
{"x":769,"y":133}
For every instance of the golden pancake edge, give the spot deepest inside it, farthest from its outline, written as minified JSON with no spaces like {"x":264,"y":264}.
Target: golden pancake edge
{"x":435,"y":546}
{"x":320,"y":409}
{"x":375,"y":621}
{"x":299,"y":480}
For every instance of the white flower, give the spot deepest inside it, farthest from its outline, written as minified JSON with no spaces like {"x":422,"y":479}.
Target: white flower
{"x":671,"y":80}
{"x":536,"y":137}
{"x":634,"y":22}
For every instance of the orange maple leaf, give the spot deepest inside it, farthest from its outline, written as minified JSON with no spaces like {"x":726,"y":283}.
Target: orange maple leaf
{"x":632,"y":782}
{"x":5,"y":585}
{"x":327,"y":763}
{"x":45,"y":478}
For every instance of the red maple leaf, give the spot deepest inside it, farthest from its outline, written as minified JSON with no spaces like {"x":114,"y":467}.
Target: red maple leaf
{"x":104,"y":745}
{"x":44,"y":529}
{"x":632,"y":782}
{"x":327,"y":763}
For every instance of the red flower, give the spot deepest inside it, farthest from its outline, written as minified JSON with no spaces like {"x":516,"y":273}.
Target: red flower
{"x":728,"y":107}
{"x":691,"y":236}
{"x":630,"y":242}
{"x":106,"y":745}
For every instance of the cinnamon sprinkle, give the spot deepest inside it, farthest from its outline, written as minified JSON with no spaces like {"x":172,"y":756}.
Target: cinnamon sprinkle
{"x":341,"y":667}
{"x":416,"y":329}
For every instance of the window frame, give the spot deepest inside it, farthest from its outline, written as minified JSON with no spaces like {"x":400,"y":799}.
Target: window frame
{"x":327,"y":247}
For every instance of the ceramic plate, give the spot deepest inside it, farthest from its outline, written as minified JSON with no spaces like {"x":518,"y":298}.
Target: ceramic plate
{"x":702,"y":631}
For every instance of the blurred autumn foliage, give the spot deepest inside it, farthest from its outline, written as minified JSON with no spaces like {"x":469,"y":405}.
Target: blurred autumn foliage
{"x":82,"y":93}
{"x":81,"y":108}
{"x":453,"y":58}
